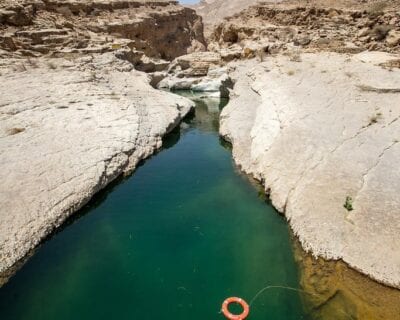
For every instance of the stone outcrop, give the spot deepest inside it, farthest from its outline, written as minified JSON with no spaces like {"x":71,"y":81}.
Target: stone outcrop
{"x":160,"y":29}
{"x":322,"y":132}
{"x":204,"y":72}
{"x":73,"y":128}
{"x":269,"y":29}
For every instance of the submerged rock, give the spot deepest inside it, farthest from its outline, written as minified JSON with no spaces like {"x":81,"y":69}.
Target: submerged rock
{"x":332,"y":290}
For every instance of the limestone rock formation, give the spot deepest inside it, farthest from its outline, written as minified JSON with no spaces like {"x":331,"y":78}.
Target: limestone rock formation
{"x":204,"y":72}
{"x":74,"y":115}
{"x":322,"y":133}
{"x":67,"y":130}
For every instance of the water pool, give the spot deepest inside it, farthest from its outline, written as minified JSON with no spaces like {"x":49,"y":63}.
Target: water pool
{"x":184,"y":232}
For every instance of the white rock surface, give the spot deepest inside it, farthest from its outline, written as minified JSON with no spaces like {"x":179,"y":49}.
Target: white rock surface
{"x":315,"y":132}
{"x":64,"y":135}
{"x":216,"y":81}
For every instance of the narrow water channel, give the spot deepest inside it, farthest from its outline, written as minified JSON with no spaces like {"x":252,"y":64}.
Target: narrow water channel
{"x":172,"y":241}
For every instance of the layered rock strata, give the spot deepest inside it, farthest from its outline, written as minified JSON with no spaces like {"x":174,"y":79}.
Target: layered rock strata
{"x":269,"y":29}
{"x":160,"y":29}
{"x":322,"y":134}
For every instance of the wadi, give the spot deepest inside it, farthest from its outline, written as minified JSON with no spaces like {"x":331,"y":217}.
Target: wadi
{"x":158,"y":157}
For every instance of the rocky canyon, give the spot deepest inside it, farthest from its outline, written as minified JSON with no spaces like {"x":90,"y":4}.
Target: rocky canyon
{"x":314,"y":89}
{"x":75,"y":113}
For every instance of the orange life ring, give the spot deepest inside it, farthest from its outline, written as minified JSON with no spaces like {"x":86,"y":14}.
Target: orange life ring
{"x":231,"y":316}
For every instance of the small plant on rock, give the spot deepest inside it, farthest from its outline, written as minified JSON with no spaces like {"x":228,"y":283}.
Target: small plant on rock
{"x":380,"y":32}
{"x":348,"y":203}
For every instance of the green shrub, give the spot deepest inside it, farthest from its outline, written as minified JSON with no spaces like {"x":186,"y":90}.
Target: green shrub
{"x":381,"y":31}
{"x":348,"y":203}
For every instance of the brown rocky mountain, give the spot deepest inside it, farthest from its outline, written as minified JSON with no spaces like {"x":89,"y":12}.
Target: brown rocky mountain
{"x":160,"y":28}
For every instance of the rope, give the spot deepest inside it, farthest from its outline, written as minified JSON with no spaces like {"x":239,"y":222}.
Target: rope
{"x":293,"y":289}
{"x":277,"y":287}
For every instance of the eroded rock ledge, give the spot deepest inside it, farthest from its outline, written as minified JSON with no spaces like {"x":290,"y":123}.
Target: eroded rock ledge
{"x":65,"y":133}
{"x":160,"y":29}
{"x":317,"y":130}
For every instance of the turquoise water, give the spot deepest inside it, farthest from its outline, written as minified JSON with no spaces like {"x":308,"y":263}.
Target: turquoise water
{"x":172,"y":241}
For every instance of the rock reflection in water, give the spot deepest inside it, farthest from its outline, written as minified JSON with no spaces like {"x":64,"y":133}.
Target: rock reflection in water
{"x":336,"y":292}
{"x":207,"y":109}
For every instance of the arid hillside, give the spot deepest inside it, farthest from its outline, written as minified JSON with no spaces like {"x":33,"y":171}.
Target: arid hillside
{"x":159,"y":29}
{"x":213,"y":11}
{"x":271,"y":28}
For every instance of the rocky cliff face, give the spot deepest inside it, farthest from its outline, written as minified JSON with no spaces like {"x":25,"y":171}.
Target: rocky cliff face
{"x":315,"y":120}
{"x":314,"y":116}
{"x":269,"y":29}
{"x":159,"y":29}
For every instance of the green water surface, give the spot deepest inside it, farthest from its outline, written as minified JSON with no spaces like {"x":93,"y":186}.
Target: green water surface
{"x":172,"y":241}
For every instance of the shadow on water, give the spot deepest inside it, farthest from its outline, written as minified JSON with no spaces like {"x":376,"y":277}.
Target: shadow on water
{"x":88,"y":208}
{"x":171,"y":138}
{"x":169,"y":141}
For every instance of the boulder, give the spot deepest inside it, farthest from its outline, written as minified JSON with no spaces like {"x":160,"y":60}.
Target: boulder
{"x":393,"y":38}
{"x":231,"y":53}
{"x":217,"y":80}
{"x":17,"y":15}
{"x":175,"y":83}
{"x":8,"y":43}
{"x":198,"y":60}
